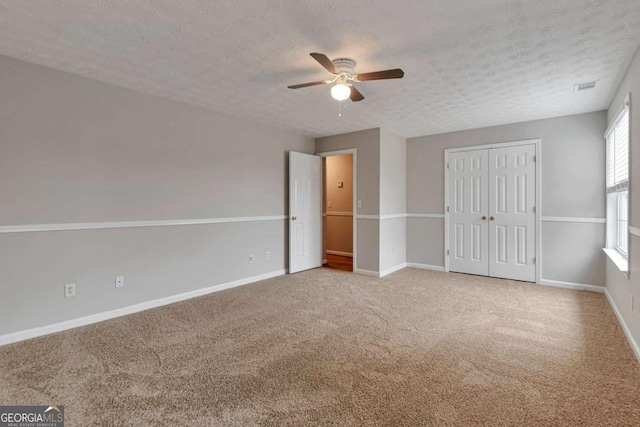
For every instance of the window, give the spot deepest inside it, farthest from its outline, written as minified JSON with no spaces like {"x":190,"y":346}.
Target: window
{"x":617,"y":137}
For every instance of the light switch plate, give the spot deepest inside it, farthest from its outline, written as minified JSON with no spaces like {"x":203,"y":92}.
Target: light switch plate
{"x":119,"y":281}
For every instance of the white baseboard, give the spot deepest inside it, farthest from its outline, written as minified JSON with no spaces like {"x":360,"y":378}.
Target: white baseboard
{"x":425,"y":266}
{"x":625,"y":328}
{"x":393,"y":269}
{"x":332,"y":252}
{"x":366,"y":272}
{"x":99,"y":317}
{"x":572,"y":285}
{"x":380,"y":273}
{"x":397,"y":268}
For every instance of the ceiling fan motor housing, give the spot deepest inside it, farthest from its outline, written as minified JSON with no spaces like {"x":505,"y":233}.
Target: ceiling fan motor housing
{"x":345,"y":65}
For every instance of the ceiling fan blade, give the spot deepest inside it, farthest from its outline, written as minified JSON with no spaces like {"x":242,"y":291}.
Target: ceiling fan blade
{"x":396,"y":73}
{"x":356,"y":95}
{"x":325,"y":62}
{"x":321,"y":82}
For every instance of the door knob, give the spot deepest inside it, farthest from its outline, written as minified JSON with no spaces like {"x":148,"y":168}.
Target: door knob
{"x":492,"y":218}
{"x":484,"y":218}
{"x":293,"y":218}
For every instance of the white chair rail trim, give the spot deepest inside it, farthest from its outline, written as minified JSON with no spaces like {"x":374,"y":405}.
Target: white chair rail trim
{"x":130,"y":224}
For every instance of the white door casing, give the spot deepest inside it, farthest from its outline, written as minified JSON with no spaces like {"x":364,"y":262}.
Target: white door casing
{"x":305,"y":212}
{"x":512,"y":181}
{"x":498,"y":182}
{"x":468,"y":207}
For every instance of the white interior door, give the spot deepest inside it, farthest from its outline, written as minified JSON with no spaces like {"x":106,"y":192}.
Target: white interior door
{"x":305,"y":212}
{"x":512,"y":225}
{"x":468,"y":207}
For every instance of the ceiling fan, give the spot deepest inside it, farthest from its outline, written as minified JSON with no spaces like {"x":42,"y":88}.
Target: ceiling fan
{"x":343,"y":74}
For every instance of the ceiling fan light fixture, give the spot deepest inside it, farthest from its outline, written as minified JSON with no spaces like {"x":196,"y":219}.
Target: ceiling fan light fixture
{"x":342,"y":72}
{"x":340,"y":92}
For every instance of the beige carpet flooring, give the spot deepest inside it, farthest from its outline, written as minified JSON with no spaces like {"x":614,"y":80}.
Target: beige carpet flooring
{"x":325,"y":347}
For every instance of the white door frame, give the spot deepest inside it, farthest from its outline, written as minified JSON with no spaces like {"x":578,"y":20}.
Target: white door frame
{"x":355,"y":197}
{"x":538,"y":146}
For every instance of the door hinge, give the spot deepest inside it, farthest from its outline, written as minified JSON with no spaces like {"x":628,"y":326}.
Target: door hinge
{"x":534,"y":209}
{"x":447,"y":208}
{"x":534,"y":159}
{"x":447,"y":251}
{"x":447,"y":165}
{"x":534,"y":260}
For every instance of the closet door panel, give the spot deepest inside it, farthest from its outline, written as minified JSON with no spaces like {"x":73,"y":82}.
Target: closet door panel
{"x":468,"y":204}
{"x":512,"y":225}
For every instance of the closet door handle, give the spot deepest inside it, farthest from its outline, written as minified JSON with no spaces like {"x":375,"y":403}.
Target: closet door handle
{"x":484,"y":218}
{"x":492,"y":218}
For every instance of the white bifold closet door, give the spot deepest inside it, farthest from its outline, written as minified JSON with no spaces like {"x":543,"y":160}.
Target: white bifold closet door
{"x":492,"y":212}
{"x":512,"y":183}
{"x":468,"y":207}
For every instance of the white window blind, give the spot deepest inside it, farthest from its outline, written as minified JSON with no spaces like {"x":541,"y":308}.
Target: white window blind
{"x":618,"y":154}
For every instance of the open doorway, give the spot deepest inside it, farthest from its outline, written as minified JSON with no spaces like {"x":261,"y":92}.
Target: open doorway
{"x":338,"y":217}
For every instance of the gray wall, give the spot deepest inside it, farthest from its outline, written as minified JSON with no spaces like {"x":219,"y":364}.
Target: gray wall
{"x":367,"y":144}
{"x":425,"y":241}
{"x":393,"y":199}
{"x":620,"y":287}
{"x":77,"y":150}
{"x":393,"y":242}
{"x":381,"y":185}
{"x":573,"y":156}
{"x":393,"y":175}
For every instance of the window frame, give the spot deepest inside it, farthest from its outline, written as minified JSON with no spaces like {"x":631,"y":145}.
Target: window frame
{"x":624,"y":233}
{"x":614,"y":238}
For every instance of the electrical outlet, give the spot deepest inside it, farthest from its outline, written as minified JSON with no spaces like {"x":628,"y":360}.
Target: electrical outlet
{"x":267,"y":255}
{"x":250,"y":258}
{"x":329,"y":204}
{"x":70,"y":290}
{"x":359,"y":203}
{"x":119,"y":281}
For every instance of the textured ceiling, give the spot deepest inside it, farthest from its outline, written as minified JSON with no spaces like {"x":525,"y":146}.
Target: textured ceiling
{"x":468,"y":63}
